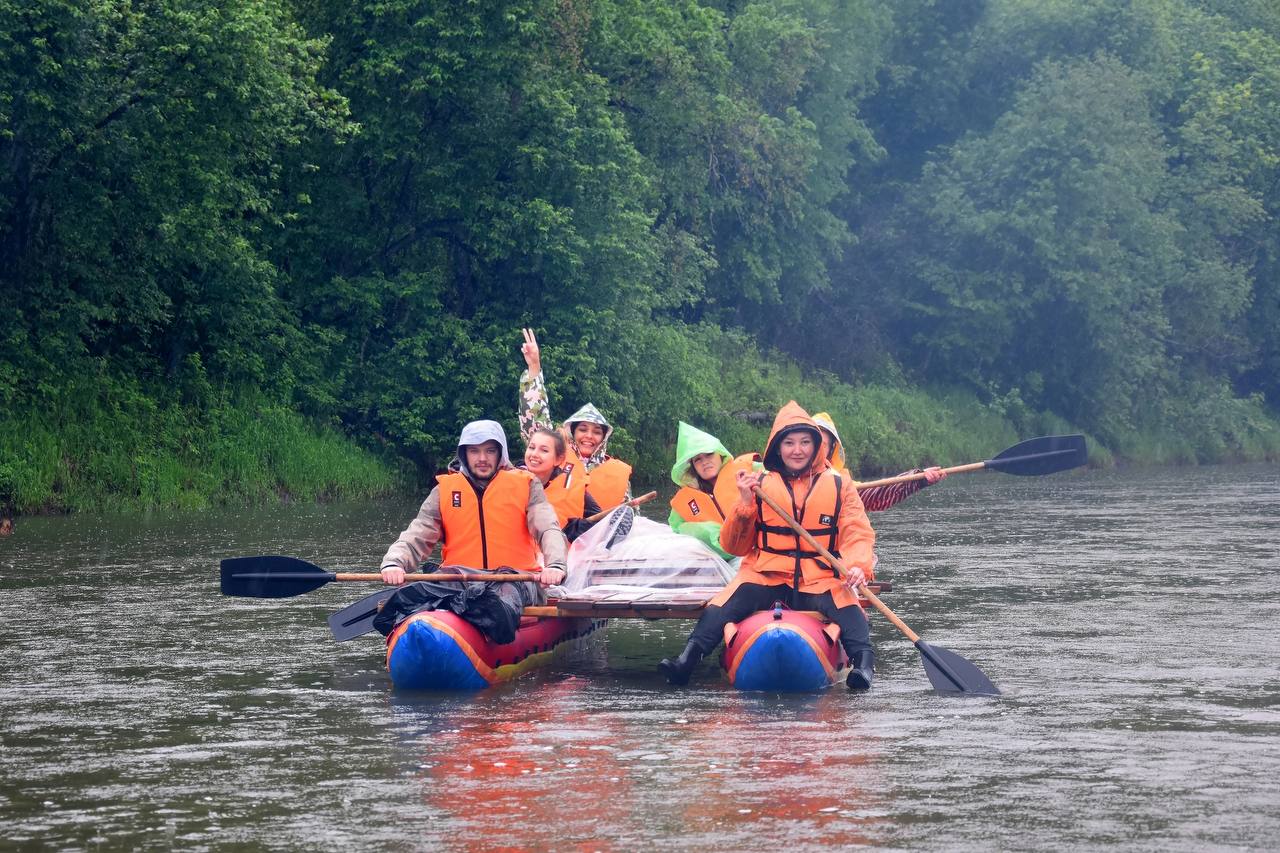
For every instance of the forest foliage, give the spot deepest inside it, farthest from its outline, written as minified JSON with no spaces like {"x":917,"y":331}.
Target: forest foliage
{"x":944,"y":221}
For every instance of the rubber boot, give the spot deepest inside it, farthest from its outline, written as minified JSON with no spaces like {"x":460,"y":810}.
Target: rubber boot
{"x":679,"y":669}
{"x":864,"y":665}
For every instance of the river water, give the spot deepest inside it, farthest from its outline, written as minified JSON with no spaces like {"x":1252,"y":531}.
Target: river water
{"x":1130,"y":617}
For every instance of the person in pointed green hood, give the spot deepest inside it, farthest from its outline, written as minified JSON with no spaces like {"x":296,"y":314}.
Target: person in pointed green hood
{"x":586,"y":432}
{"x":706,"y":474}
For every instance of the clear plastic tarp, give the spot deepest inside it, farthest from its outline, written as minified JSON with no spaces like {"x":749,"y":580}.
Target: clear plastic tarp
{"x":628,"y":551}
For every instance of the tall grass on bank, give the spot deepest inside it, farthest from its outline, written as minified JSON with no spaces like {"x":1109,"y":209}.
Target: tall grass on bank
{"x":1210,"y":425}
{"x":117,"y":448}
{"x":721,"y":382}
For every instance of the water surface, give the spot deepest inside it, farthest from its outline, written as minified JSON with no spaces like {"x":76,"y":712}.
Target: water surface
{"x":1129,"y":616}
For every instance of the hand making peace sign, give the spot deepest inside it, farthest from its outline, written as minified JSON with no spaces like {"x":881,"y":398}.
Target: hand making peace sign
{"x":532,"y":356}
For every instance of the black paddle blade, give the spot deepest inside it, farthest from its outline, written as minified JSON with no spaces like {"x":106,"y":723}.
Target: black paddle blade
{"x":950,"y":673}
{"x":1048,"y":454}
{"x":271,"y":577}
{"x":356,"y":620}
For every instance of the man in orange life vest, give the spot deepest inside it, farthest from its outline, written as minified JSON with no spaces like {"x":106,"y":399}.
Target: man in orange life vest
{"x":777,"y":564}
{"x":486,"y":513}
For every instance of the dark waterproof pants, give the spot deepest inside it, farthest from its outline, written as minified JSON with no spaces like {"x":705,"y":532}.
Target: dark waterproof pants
{"x":855,"y":634}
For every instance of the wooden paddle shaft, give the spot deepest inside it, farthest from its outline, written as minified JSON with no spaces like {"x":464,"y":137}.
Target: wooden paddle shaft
{"x":633,"y":502}
{"x":862,"y":588}
{"x":439,"y":576}
{"x":919,"y":475}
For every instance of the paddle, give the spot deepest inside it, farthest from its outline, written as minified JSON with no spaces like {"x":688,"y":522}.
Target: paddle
{"x":282,"y":577}
{"x":645,"y":498}
{"x":356,"y":620}
{"x":948,"y":672}
{"x":1048,"y":454}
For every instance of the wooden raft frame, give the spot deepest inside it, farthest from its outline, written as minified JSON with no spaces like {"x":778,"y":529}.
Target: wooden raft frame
{"x":648,"y":604}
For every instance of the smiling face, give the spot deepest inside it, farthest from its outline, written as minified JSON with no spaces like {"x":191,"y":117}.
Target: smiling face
{"x":482,"y":459}
{"x":587,"y":436}
{"x":707,"y":465}
{"x":541,"y":456}
{"x":796,"y":451}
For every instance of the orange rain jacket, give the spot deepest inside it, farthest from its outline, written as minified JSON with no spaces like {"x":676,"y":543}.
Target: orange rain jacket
{"x":825,"y":504}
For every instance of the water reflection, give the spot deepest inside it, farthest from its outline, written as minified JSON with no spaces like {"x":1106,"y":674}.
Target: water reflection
{"x":1128,"y":616}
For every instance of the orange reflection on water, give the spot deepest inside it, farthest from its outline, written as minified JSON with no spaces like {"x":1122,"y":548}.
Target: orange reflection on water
{"x":772,"y":776}
{"x":549,"y":780}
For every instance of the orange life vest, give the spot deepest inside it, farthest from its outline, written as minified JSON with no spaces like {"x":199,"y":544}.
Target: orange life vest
{"x":607,"y":482}
{"x":489,"y":530}
{"x":696,"y":505}
{"x":781,"y":550}
{"x":567,"y":492}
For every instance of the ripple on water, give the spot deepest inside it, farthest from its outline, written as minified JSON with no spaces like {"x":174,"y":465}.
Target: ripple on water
{"x":1128,"y":618}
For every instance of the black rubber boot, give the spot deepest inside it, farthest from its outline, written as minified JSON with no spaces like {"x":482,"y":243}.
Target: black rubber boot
{"x":679,"y":669}
{"x":864,"y":666}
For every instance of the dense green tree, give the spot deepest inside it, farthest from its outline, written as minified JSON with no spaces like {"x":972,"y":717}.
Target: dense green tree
{"x":748,"y":117}
{"x":215,"y":213}
{"x":1034,"y":257}
{"x":491,"y":185}
{"x":1225,"y":119}
{"x":142,"y":147}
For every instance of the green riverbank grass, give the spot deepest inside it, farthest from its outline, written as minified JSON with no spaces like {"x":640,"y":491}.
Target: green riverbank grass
{"x":112,"y":447}
{"x":129,"y":452}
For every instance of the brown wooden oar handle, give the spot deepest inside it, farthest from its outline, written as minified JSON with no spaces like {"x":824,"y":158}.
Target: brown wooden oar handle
{"x":440,"y":576}
{"x":643,"y":499}
{"x":839,"y":567}
{"x":919,"y":475}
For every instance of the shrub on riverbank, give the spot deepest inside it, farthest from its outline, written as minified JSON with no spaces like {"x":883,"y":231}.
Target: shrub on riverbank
{"x":118,"y":448}
{"x":114,"y":445}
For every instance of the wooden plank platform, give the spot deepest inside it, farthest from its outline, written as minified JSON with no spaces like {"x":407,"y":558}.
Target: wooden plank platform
{"x":638,"y":603}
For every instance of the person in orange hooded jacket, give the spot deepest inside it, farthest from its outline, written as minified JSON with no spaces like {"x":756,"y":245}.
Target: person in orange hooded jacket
{"x":779,"y":566}
{"x":875,"y":498}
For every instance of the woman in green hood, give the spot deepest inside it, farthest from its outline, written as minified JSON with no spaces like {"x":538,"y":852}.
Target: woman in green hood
{"x":707,"y":476}
{"x":586,"y":431}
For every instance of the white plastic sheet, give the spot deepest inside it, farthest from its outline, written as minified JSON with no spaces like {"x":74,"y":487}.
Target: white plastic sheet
{"x":628,"y":550}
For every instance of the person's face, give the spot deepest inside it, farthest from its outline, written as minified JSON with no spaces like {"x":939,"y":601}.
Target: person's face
{"x":797,"y":452}
{"x":482,"y":459}
{"x":830,"y":438}
{"x":707,"y":465}
{"x":540,"y":456}
{"x":587,"y":436}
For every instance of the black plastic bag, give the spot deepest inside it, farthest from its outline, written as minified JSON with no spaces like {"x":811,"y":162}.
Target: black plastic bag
{"x":494,"y":608}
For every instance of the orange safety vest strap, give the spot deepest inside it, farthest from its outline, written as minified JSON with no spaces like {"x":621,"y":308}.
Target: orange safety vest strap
{"x":567,"y":493}
{"x":790,"y":544}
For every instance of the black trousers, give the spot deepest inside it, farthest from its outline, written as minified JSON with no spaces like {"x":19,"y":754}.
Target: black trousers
{"x":855,"y":634}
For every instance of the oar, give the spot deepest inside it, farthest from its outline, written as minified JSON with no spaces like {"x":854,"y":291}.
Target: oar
{"x":282,"y":577}
{"x":1048,"y":454}
{"x":356,"y":620}
{"x":643,"y":499}
{"x":948,"y":672}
